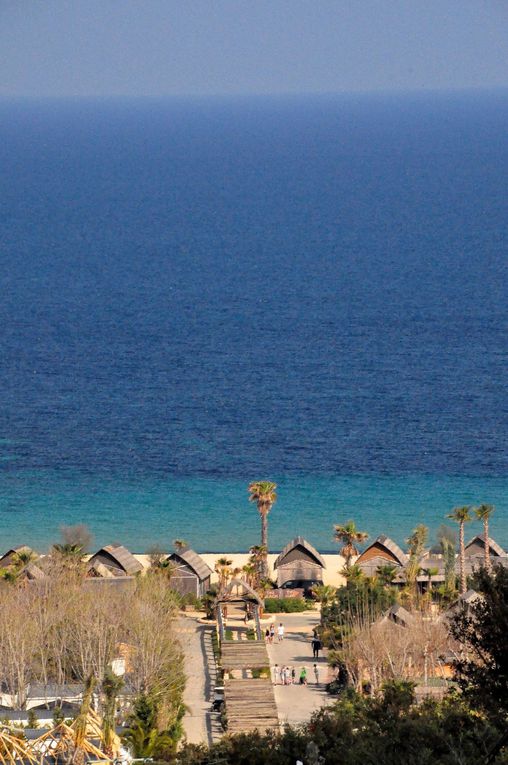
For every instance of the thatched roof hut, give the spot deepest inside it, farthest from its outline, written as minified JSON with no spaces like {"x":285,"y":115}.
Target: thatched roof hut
{"x":190,"y":574}
{"x":476,"y":548}
{"x":11,"y":557}
{"x":382,"y":552}
{"x":299,"y":565}
{"x":32,"y":572}
{"x":399,"y":615}
{"x":117,"y":559}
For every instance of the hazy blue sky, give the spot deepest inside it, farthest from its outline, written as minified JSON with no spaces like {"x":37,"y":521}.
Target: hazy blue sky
{"x":152,"y":47}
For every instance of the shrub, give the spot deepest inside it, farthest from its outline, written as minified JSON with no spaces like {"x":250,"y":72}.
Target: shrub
{"x":285,"y":605}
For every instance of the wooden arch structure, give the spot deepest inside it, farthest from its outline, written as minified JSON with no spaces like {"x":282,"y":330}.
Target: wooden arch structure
{"x":238,"y":591}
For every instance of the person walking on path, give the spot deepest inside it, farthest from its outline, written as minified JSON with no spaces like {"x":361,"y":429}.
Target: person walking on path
{"x":280,"y":632}
{"x":287,"y":676}
{"x":267,"y":634}
{"x":303,"y":676}
{"x":293,"y":675}
{"x":316,"y":673}
{"x":272,"y":632}
{"x":276,"y":675}
{"x":316,"y":645}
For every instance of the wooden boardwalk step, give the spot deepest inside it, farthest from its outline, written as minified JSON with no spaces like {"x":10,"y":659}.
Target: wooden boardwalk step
{"x":244,"y":654}
{"x":250,"y":705}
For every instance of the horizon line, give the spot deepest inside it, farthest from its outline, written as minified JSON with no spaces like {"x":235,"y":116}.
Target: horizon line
{"x":385,"y":92}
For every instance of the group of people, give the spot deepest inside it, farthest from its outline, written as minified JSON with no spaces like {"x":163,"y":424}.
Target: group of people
{"x":270,"y":633}
{"x":288,"y":675}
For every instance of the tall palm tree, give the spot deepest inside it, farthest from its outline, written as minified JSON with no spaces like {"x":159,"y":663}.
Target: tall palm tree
{"x":461,"y":515}
{"x":483,"y":513}
{"x":416,"y":543}
{"x":448,"y":553}
{"x":349,"y":536}
{"x":263,"y":493}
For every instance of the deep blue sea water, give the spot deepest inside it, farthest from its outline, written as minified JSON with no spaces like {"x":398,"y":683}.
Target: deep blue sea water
{"x":197,"y":293}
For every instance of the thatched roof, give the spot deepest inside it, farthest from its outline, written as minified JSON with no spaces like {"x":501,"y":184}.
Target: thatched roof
{"x":399,"y":615}
{"x":5,"y":560}
{"x":31,"y":572}
{"x":495,"y":549}
{"x":121,"y":556}
{"x":300,"y":542}
{"x":390,"y":546}
{"x":194,"y":561}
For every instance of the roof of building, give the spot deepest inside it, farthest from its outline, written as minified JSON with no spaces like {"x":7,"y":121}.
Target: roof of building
{"x":194,"y":561}
{"x":300,"y":542}
{"x":494,"y":547}
{"x":122,"y":557}
{"x":32,"y":571}
{"x":399,"y":615}
{"x":389,"y":545}
{"x":15,"y":551}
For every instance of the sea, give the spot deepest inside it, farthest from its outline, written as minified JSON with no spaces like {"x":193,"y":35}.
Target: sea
{"x":200,"y":292}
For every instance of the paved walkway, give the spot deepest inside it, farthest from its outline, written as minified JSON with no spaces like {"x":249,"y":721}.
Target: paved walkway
{"x":200,"y":724}
{"x":296,"y":703}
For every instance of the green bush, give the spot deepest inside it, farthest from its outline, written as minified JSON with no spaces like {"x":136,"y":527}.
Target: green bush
{"x":286,"y":605}
{"x":261,"y":672}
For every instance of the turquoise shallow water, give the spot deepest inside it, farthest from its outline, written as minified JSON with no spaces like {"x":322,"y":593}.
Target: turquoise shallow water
{"x":215,"y":515}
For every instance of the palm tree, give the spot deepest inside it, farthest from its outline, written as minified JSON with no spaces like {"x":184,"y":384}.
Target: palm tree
{"x":386,"y":573}
{"x":461,"y":515}
{"x":257,"y":558}
{"x":483,"y":513}
{"x":81,"y":723}
{"x":69,"y":550}
{"x":416,"y":543}
{"x":349,"y":536}
{"x":429,"y":573}
{"x":223,"y":570}
{"x":448,"y":552}
{"x":250,"y":572}
{"x":353,"y":574}
{"x":323,"y":593}
{"x":264,"y":495}
{"x":111,"y":685}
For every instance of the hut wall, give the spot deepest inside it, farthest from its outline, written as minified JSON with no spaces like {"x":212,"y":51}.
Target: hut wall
{"x":185,"y":581}
{"x":370,"y":566}
{"x":300,"y":570}
{"x":476,"y":549}
{"x":204,"y":586}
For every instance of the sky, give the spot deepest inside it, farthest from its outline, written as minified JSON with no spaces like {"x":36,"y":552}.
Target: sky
{"x":209,"y":47}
